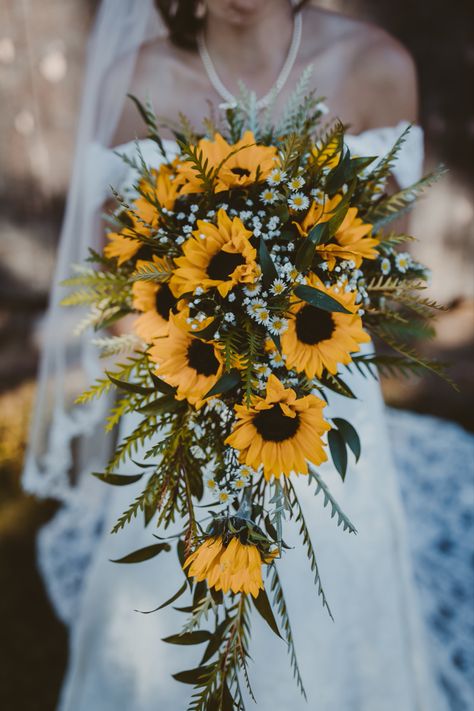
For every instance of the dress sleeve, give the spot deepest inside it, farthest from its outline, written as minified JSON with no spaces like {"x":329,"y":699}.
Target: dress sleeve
{"x":378,"y":141}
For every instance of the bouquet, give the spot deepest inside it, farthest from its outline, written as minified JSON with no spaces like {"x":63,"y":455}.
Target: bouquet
{"x":259,"y":265}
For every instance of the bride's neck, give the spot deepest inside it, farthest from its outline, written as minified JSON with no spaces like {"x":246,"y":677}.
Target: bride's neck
{"x":251,"y":52}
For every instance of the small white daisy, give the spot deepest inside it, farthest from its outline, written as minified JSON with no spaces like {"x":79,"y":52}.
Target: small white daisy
{"x":298,"y":201}
{"x":402,"y":261}
{"x":278,"y":325}
{"x":253,"y":289}
{"x":223,"y":497}
{"x":229,"y":317}
{"x":277,"y":359}
{"x":246,"y":472}
{"x":262,"y":370}
{"x":269,"y":196}
{"x":231,"y":297}
{"x":276,"y":176}
{"x":278,"y":287}
{"x":211,"y":484}
{"x":255,"y":305}
{"x":385,"y":266}
{"x":262,"y":316}
{"x":296,"y":183}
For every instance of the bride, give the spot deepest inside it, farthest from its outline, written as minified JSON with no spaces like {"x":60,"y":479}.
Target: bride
{"x":186,"y":56}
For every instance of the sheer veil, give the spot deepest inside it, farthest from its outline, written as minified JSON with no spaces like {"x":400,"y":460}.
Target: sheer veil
{"x":69,"y":362}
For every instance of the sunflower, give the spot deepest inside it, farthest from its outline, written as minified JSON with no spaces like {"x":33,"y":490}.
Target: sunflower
{"x":280,"y":432}
{"x":353,"y":240}
{"x":316,"y":339}
{"x":124,"y":244}
{"x":236,"y":567}
{"x":185,"y":362}
{"x":218,"y":256}
{"x":237,"y":165}
{"x":157,"y":303}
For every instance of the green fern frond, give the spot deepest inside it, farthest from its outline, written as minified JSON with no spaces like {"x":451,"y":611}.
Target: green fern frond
{"x":151,"y":271}
{"x":297,"y":514}
{"x":393,"y":206}
{"x":336,"y":511}
{"x":280,"y":605}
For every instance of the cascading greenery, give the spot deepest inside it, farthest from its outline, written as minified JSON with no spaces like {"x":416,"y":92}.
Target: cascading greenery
{"x":257,"y":263}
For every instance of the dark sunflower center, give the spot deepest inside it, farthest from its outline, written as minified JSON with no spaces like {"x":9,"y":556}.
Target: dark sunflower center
{"x":314,"y":325}
{"x":274,"y":426}
{"x":164,"y":301}
{"x":202,"y":358}
{"x":241,"y":172}
{"x":223,"y":264}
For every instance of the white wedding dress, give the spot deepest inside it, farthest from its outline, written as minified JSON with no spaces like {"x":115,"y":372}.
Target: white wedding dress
{"x":374,"y":657}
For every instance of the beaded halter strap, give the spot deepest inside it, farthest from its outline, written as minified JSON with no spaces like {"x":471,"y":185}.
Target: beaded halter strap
{"x":224,"y":93}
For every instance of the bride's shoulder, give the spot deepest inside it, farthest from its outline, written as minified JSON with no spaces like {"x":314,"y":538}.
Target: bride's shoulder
{"x":376,"y":68}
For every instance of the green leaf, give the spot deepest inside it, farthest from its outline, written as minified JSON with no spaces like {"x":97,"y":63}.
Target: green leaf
{"x":319,"y":299}
{"x":338,"y":449}
{"x":337,"y":385}
{"x":197,"y":677}
{"x":129,"y":387}
{"x":350,"y":435}
{"x":304,"y":256}
{"x":226,"y":382}
{"x":196,"y":637}
{"x":161,"y":385}
{"x":215,"y":641}
{"x":269,"y":271}
{"x":118,"y":479}
{"x":207,"y":332}
{"x":168,"y":602}
{"x":144,"y":553}
{"x":262,"y":603}
{"x":167,"y":403}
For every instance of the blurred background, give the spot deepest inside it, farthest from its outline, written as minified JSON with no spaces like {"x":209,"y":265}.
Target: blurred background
{"x":42,"y":52}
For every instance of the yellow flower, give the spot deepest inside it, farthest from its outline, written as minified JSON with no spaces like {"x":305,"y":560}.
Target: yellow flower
{"x":316,"y":339}
{"x":237,"y":165}
{"x":352,"y":239}
{"x":124,"y":244}
{"x":187,"y":363}
{"x":157,"y":303}
{"x":236,"y":567}
{"x":280,"y":432}
{"x":218,"y":256}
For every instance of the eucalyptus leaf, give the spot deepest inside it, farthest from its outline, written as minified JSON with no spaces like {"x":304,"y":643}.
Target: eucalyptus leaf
{"x":197,"y":677}
{"x":129,"y":387}
{"x":262,"y":604}
{"x":305,"y":254}
{"x":188,"y":638}
{"x":118,"y":479}
{"x":167,"y":403}
{"x":350,"y":435}
{"x":319,"y":299}
{"x":226,"y":382}
{"x":338,"y":450}
{"x":168,"y":602}
{"x":269,"y":271}
{"x":142,"y":554}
